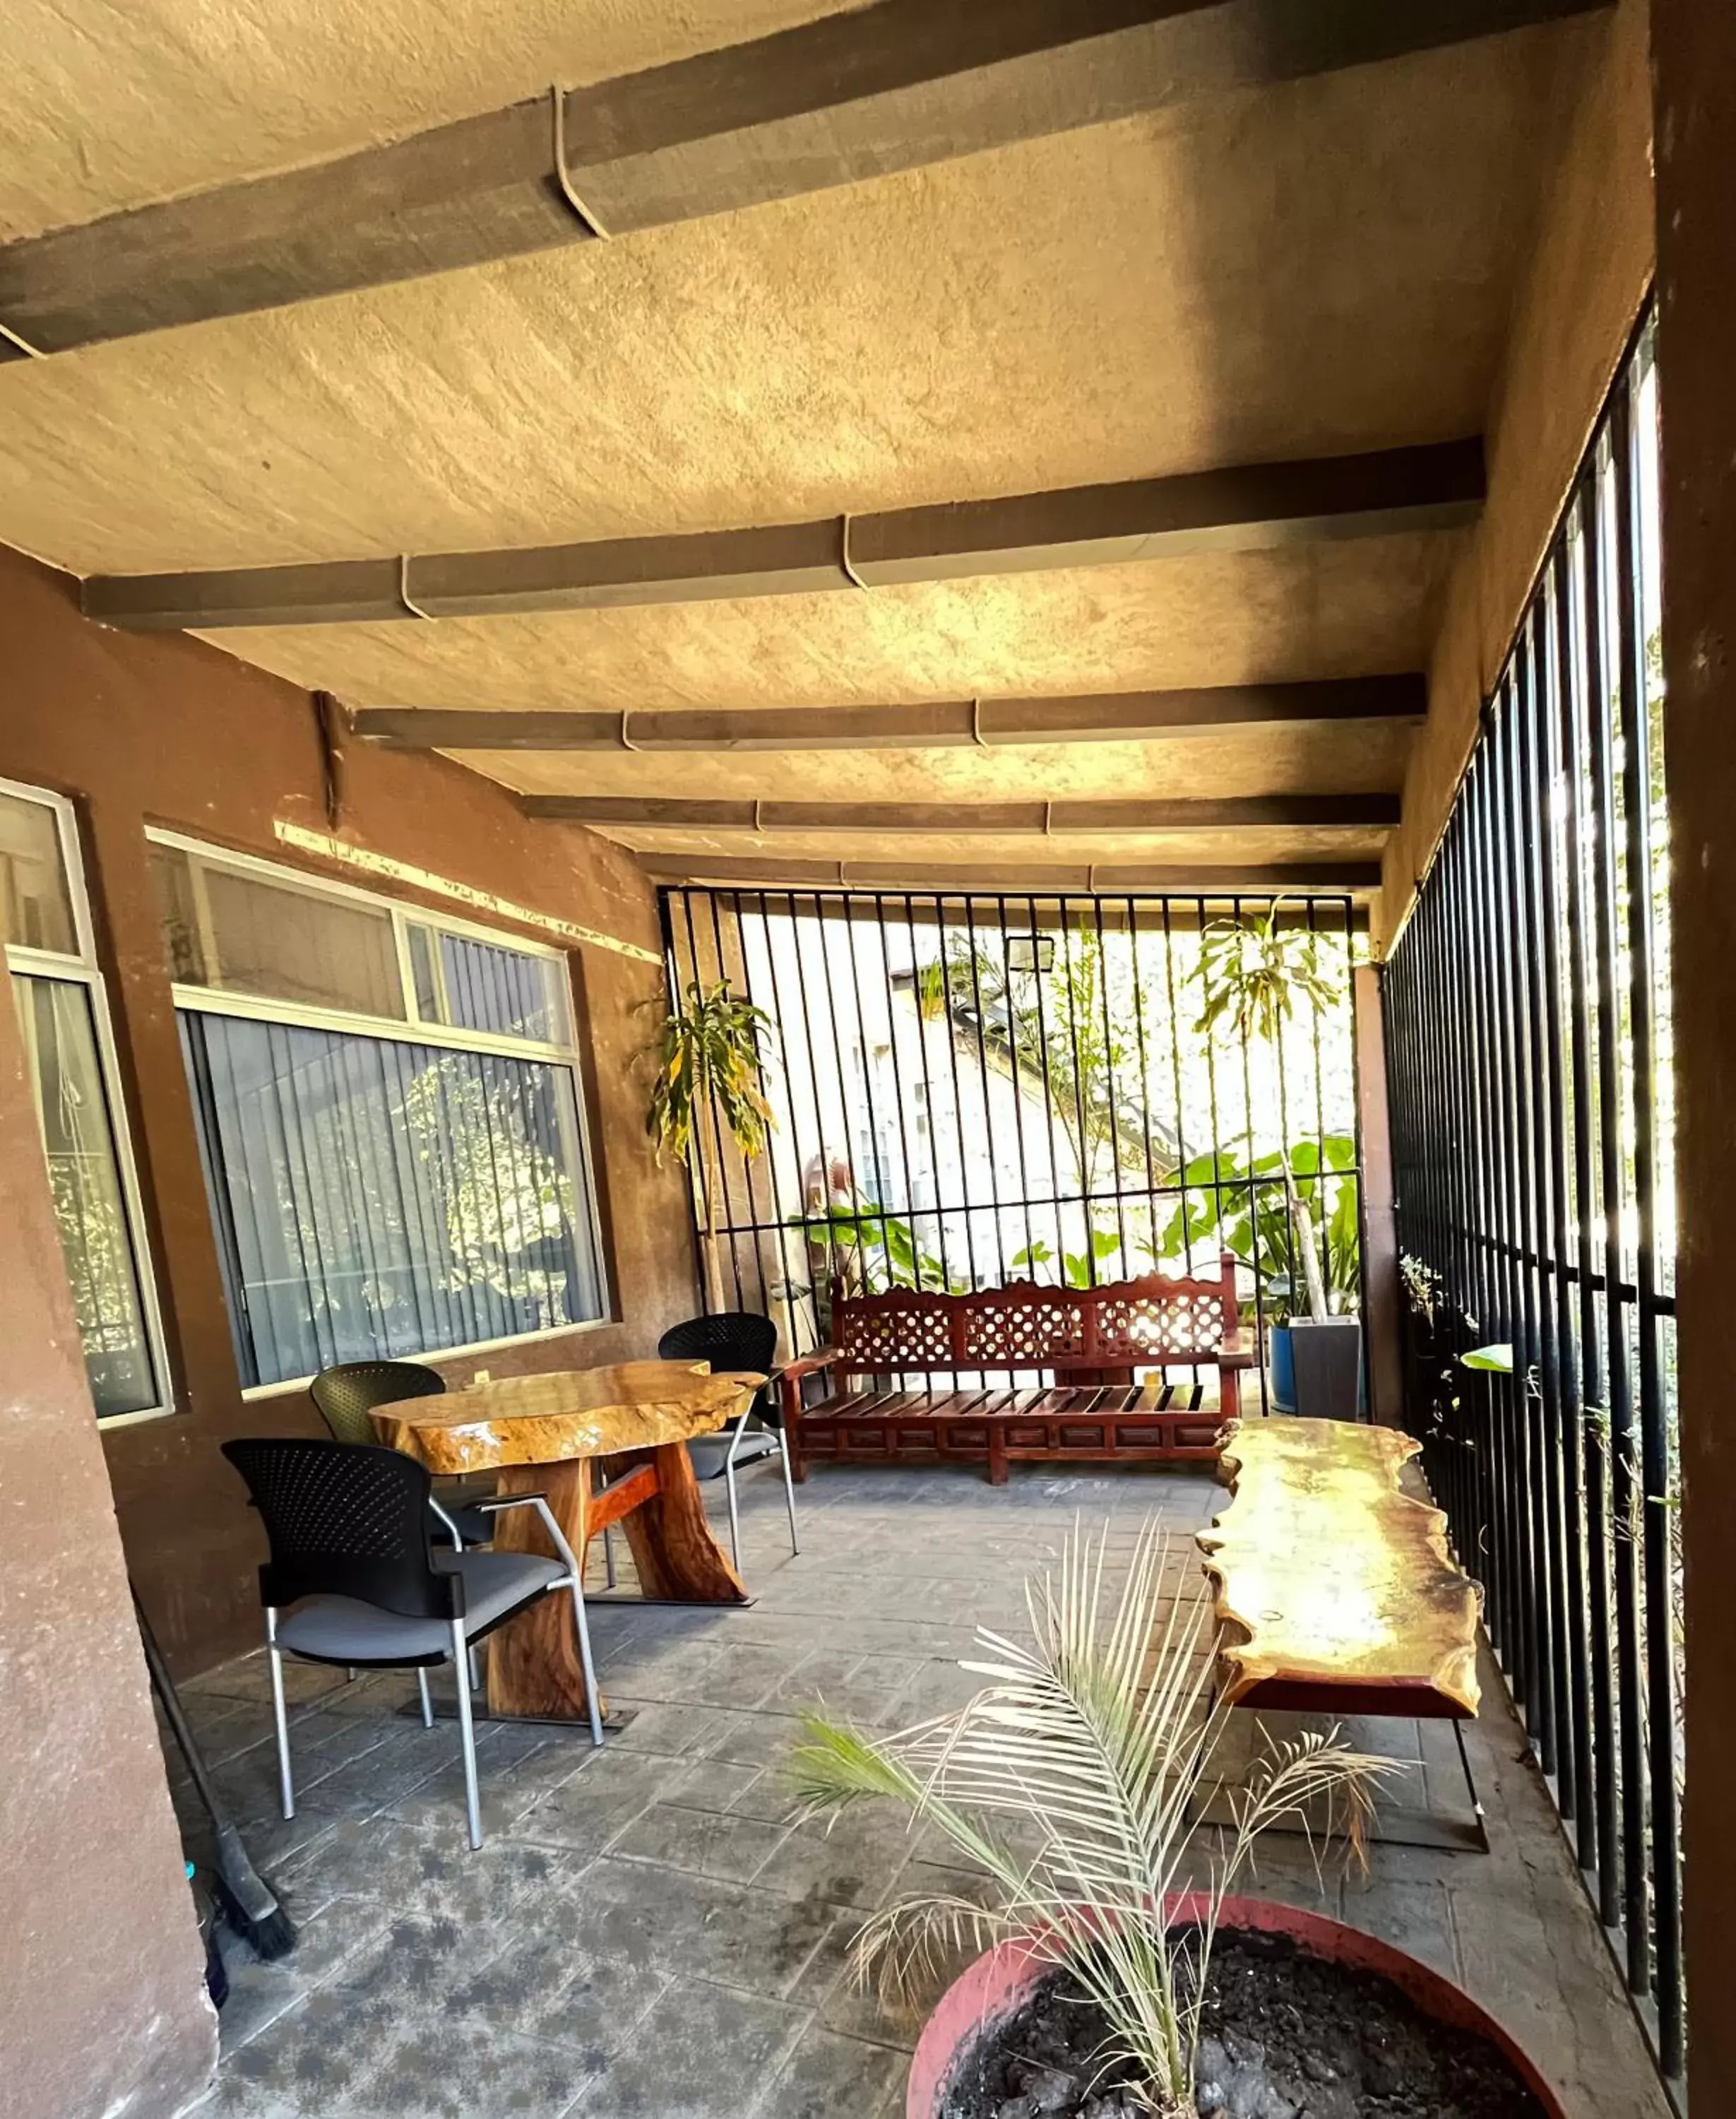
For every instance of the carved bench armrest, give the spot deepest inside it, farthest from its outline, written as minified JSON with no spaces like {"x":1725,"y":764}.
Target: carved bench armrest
{"x":794,"y":1373}
{"x":810,"y":1365}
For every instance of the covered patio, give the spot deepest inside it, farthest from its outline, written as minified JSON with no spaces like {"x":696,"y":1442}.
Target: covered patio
{"x":795,"y":796}
{"x":648,"y":1930}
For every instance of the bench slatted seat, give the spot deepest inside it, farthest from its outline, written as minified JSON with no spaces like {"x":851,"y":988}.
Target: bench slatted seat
{"x":1091,"y":1340}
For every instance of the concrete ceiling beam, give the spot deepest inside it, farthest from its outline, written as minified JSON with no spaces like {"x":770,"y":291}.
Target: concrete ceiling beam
{"x":852,"y":96}
{"x":1244,"y":508}
{"x":1001,"y":879}
{"x":951,"y":820}
{"x":927,"y":725}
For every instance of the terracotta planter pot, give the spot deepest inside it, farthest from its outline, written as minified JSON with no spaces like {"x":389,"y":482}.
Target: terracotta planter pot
{"x":988,"y":1992}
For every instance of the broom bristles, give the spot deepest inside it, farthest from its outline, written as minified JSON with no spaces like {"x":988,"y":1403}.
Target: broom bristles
{"x":249,"y":1902}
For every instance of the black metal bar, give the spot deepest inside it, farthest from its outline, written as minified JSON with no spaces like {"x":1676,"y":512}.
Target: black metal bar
{"x":1495,"y":1317}
{"x":776,"y":1014}
{"x":1014,"y":1063}
{"x":958,"y":1103}
{"x":813,"y":1084}
{"x":1049,"y":1100}
{"x":1662,"y":1840}
{"x":903,"y":1136}
{"x":1144,"y":1090}
{"x":1603,"y":1843}
{"x":1543,"y":1405}
{"x":746,"y":1161}
{"x":928,"y":1097}
{"x":1573,"y":1710}
{"x":1622,"y":1465}
{"x":1113,"y":1094}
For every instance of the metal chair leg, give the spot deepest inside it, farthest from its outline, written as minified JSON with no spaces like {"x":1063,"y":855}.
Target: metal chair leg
{"x":584,"y":1662}
{"x":790,"y":1491}
{"x":735,"y":1528}
{"x":575,"y":1582}
{"x":467,"y":1734}
{"x":427,"y":1704}
{"x":475,"y":1671}
{"x":279,"y":1714}
{"x":608,"y":1559}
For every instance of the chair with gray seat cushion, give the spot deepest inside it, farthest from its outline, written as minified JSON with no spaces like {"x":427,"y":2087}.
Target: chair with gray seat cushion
{"x":736,"y":1339}
{"x":345,"y":1396}
{"x":354,"y":1578}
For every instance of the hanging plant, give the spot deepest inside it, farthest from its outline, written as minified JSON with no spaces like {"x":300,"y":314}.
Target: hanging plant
{"x":707,"y":1050}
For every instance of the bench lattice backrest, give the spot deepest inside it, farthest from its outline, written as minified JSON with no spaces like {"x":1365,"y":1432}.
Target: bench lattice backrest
{"x":1126,"y":1324}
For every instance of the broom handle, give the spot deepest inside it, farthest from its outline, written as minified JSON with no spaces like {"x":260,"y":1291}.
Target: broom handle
{"x":162,"y":1685}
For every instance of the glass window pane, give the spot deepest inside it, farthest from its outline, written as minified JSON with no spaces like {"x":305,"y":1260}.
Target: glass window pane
{"x":298,"y":945}
{"x":425,"y":972}
{"x":90,"y":1208}
{"x":177,"y":914}
{"x":378,"y":1197}
{"x":508,"y":992}
{"x":36,"y":904}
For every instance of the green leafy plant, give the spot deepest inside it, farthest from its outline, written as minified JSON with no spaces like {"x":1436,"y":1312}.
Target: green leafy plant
{"x":1422,"y":1286}
{"x":1078,"y":1269}
{"x":1255,"y":973}
{"x":1229,"y":1205}
{"x":706,"y":1049}
{"x":1495,"y":1360}
{"x":1090,"y":1745}
{"x":875,"y":1249}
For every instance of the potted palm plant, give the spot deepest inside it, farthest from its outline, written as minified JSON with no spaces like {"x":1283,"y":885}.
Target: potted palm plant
{"x":706,"y":1049}
{"x":1073,"y":1783}
{"x":1255,"y":973}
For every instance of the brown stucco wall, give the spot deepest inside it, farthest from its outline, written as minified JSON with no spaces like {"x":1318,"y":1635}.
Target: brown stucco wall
{"x":168,"y":730}
{"x":1591,"y":263}
{"x":102,"y":2002}
{"x":1695,"y":46}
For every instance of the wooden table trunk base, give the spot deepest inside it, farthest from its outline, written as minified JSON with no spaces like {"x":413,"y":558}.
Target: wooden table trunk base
{"x":542,"y":1434}
{"x":535,"y":1670}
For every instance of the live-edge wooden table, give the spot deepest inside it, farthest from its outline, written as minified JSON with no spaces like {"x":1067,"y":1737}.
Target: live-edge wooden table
{"x":542,"y":1434}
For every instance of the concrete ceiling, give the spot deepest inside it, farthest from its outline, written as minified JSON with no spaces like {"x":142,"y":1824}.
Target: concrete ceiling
{"x":1324,"y":267}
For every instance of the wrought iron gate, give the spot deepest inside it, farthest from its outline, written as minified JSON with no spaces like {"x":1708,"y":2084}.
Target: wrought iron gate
{"x":1529,"y":1051}
{"x":969,"y":1089}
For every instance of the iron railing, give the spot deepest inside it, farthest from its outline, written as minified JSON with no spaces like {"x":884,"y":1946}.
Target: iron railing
{"x":972,"y":1089}
{"x":1529,"y":1058}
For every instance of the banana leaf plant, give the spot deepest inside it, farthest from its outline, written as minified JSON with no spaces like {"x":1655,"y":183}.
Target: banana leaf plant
{"x":1078,"y":1269}
{"x":1255,"y":974}
{"x":880,"y":1250}
{"x":1229,"y":1206}
{"x":707,"y":1051}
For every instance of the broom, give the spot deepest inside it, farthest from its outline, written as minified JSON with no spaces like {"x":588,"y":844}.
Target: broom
{"x":248,"y":1902}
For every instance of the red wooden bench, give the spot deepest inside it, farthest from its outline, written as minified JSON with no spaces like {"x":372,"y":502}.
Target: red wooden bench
{"x":1091,"y":1340}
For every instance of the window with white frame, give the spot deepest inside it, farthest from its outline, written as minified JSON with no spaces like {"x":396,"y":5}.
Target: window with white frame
{"x":389,"y":1114}
{"x":69,"y":1060}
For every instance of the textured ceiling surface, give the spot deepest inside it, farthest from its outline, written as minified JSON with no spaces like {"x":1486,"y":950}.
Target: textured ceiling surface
{"x":104,"y":106}
{"x":1321,"y":267}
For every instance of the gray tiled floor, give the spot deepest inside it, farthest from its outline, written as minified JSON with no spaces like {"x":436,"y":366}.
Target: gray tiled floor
{"x":645,"y":1935}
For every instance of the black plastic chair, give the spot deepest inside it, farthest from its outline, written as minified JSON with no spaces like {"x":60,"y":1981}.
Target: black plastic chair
{"x":736,"y":1339}
{"x":347,"y":1525}
{"x":346,"y":1395}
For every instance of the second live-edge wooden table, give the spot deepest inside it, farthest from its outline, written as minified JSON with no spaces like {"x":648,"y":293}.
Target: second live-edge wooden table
{"x":543,"y":1434}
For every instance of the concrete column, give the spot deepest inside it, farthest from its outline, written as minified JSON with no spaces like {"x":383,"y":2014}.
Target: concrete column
{"x":102,"y":2001}
{"x":1694,"y":87}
